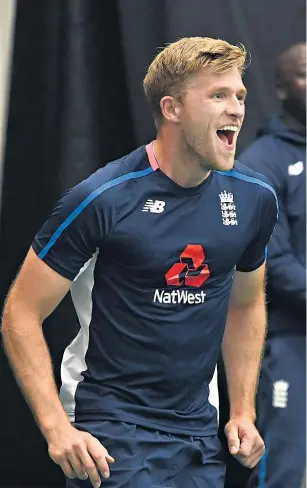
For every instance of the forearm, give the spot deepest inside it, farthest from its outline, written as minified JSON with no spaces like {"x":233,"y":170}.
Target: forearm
{"x":31,"y":363}
{"x":242,"y":353}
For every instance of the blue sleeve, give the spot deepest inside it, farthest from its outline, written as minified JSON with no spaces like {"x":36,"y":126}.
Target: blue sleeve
{"x":76,"y":228}
{"x":256,"y":253}
{"x":286,"y":275}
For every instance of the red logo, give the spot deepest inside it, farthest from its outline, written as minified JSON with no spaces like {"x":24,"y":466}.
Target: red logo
{"x":192,"y":270}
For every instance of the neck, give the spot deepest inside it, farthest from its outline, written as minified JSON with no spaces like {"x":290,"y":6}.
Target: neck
{"x":178,"y":162}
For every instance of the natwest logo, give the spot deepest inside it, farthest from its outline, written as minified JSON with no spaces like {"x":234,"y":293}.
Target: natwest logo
{"x":179,"y":296}
{"x":191,"y":271}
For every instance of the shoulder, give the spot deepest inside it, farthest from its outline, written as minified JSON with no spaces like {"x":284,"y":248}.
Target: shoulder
{"x":249,"y":180}
{"x":268,"y":152}
{"x":132,"y":165}
{"x":248,"y":176}
{"x":111,"y":176}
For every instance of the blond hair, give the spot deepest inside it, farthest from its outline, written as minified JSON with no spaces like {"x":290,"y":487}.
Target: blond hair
{"x":173,"y":66}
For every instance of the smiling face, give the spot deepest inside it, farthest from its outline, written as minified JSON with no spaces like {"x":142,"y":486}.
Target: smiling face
{"x":210,"y":114}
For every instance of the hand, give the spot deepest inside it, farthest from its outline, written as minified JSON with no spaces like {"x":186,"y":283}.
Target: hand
{"x":244,"y":441}
{"x":79,"y":454}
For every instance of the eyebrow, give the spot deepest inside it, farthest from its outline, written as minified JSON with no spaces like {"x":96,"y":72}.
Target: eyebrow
{"x":242,"y":91}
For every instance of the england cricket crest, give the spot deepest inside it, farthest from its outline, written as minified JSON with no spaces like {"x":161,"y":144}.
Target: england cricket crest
{"x":228,"y":208}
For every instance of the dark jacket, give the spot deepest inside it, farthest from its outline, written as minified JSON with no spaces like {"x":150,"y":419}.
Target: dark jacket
{"x":281,"y":155}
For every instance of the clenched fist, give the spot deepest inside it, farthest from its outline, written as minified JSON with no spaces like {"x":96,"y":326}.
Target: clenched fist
{"x":244,"y":441}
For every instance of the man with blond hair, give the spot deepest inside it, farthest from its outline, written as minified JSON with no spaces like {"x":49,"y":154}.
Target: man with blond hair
{"x":163,"y":252}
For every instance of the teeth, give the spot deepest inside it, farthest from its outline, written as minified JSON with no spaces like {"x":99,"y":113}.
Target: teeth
{"x":233,"y":128}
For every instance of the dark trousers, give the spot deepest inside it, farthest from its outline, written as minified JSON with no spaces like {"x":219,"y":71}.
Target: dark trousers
{"x":281,"y":412}
{"x":147,"y":458}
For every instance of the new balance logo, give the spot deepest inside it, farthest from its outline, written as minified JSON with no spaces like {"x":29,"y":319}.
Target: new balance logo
{"x":280,"y":394}
{"x":154,"y":206}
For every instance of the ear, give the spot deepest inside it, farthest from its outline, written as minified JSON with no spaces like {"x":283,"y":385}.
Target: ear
{"x":170,"y":109}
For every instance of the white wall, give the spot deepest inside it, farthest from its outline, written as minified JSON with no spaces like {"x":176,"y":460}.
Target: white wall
{"x":7,"y":21}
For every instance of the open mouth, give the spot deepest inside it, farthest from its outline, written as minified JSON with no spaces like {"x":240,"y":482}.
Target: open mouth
{"x":227,"y":134}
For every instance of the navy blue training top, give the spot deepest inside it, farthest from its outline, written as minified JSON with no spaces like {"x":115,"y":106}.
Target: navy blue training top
{"x":280,"y":154}
{"x":152,"y":265}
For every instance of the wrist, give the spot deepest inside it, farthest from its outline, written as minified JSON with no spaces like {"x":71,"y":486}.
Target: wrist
{"x":243,"y":406}
{"x":51,"y":427}
{"x":243,"y":414}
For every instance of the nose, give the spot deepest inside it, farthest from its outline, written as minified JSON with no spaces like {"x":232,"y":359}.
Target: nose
{"x":236,"y":108}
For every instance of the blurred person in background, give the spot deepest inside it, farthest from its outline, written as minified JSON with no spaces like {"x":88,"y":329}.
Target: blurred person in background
{"x":280,"y":153}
